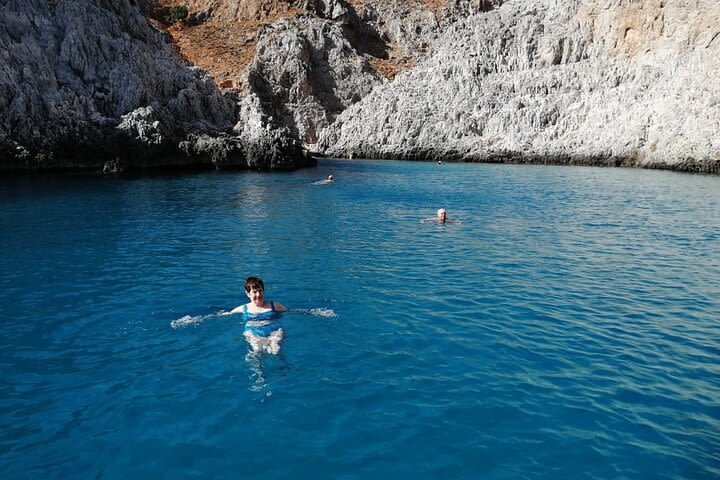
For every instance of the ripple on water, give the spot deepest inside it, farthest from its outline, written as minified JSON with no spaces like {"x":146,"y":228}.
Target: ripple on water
{"x":568,"y":328}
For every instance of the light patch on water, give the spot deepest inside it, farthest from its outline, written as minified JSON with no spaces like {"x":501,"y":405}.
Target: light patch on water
{"x":190,"y":320}
{"x":318,"y":312}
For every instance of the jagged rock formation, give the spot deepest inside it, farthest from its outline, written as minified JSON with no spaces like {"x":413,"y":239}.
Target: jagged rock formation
{"x":407,"y":27}
{"x":595,"y":82}
{"x":90,"y":84}
{"x":306,"y":73}
{"x":93,"y":83}
{"x":312,"y":58}
{"x":309,"y":69}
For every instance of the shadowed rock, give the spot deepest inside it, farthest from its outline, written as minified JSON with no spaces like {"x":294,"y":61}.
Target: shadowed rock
{"x":90,"y":84}
{"x":306,"y":72}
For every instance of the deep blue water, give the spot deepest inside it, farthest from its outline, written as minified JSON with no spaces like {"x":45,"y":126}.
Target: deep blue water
{"x":569,"y":328}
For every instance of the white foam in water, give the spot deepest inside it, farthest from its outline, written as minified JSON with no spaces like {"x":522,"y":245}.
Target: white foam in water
{"x":191,"y":320}
{"x":318,"y":312}
{"x":187,"y":320}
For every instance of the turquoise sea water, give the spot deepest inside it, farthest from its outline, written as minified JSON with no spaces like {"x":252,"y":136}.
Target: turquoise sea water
{"x":568,"y":328}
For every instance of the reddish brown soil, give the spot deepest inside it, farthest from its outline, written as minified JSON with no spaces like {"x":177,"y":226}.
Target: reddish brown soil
{"x":225,"y":47}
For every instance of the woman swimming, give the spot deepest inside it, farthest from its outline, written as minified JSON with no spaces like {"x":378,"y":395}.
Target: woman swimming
{"x":263,"y":329}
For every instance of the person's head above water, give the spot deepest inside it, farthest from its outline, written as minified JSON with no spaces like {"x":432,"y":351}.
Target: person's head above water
{"x":441,"y":218}
{"x":255,"y":290}
{"x":330,"y":178}
{"x":254,"y":283}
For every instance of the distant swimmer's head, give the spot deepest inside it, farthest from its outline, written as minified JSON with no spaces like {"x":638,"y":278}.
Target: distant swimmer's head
{"x":330,"y":178}
{"x":441,"y":215}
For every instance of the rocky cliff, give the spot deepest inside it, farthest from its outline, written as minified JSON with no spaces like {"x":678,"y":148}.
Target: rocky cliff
{"x":591,"y":82}
{"x":311,"y":59}
{"x":91,"y":84}
{"x":99,"y":83}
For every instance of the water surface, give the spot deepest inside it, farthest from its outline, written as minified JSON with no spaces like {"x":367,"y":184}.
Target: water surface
{"x":568,"y":328}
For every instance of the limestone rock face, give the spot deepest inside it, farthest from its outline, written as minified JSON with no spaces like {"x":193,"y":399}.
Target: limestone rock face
{"x":408,"y":26}
{"x":404,"y":26}
{"x":92,"y":84}
{"x":581,"y":81}
{"x":269,"y":145}
{"x":330,"y":9}
{"x":89,"y":82}
{"x":306,"y":72}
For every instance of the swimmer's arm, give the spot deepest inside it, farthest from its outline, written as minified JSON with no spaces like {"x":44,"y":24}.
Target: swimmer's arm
{"x":190,"y":320}
{"x":279,"y":307}
{"x":231,"y":312}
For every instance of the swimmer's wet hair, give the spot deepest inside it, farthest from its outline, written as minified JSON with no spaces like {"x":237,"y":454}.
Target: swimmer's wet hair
{"x":253,"y":282}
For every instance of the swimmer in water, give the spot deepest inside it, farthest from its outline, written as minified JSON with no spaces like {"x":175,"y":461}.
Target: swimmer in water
{"x":263,"y":330}
{"x":441,"y":218}
{"x":329,"y":179}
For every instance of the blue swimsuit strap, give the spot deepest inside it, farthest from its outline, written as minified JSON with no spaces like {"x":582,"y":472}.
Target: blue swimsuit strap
{"x":272,"y":306}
